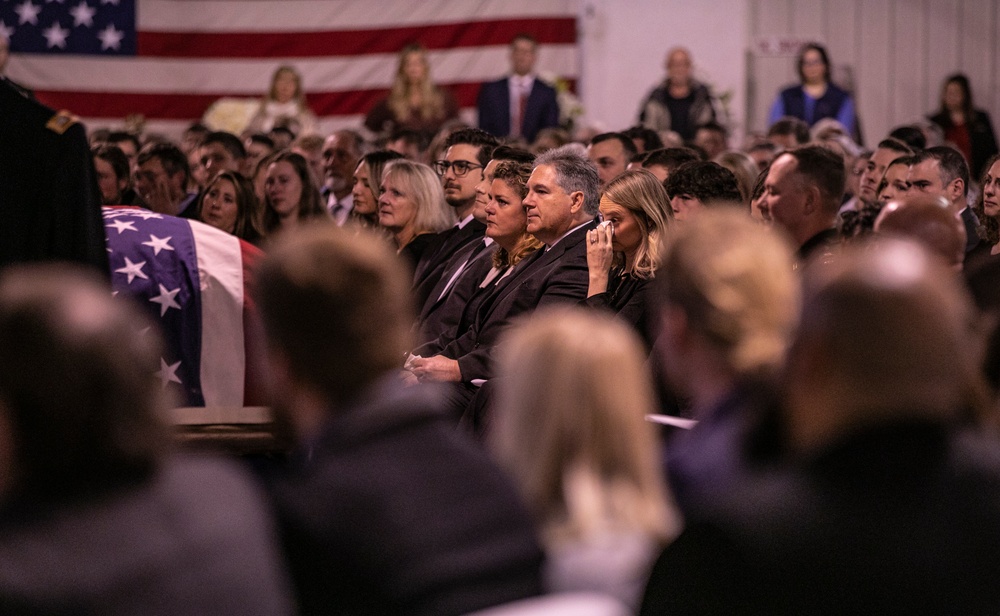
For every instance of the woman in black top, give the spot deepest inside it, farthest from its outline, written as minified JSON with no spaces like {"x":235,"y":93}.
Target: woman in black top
{"x":623,"y":255}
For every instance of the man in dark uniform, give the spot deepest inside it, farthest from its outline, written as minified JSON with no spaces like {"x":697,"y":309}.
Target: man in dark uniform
{"x":49,"y":199}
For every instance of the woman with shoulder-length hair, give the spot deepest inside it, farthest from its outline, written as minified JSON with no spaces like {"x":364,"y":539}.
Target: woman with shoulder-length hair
{"x":569,"y":425}
{"x":412,"y":207}
{"x":290,"y":194}
{"x":284,"y":105}
{"x":816,"y":97}
{"x":968,"y":128}
{"x":623,"y":255}
{"x":414,"y":102}
{"x":368,"y":186}
{"x":229,"y":204}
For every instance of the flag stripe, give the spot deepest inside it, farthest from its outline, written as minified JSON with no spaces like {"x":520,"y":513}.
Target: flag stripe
{"x":350,"y":42}
{"x":312,"y":15}
{"x":250,"y":77}
{"x":220,"y":275}
{"x":180,"y":106}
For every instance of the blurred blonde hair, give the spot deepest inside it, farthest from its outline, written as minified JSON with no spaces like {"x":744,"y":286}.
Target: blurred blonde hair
{"x":640,"y":193}
{"x":744,"y":168}
{"x":569,"y":424}
{"x":431,"y":99}
{"x":735,"y":283}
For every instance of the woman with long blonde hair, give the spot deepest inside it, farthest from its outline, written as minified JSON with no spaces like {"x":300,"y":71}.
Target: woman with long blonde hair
{"x":623,"y":255}
{"x":414,"y":102}
{"x":569,"y":425}
{"x":284,"y":105}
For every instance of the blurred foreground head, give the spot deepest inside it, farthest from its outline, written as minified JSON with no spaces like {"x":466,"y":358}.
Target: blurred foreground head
{"x":885,"y":335}
{"x":727,"y":290}
{"x":927,"y":220}
{"x":336,"y":313}
{"x":80,"y":408}
{"x":570,"y":424}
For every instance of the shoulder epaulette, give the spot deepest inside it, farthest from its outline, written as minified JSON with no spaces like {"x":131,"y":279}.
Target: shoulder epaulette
{"x":61,"y":121}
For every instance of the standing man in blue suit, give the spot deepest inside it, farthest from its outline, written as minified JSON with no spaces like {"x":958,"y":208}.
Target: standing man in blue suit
{"x":520,"y":104}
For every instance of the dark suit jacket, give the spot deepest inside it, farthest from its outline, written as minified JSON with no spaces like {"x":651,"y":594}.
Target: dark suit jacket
{"x":541,"y":112}
{"x":559,"y":274}
{"x":897,"y":519}
{"x":392,"y":511}
{"x":441,"y":315}
{"x":49,"y":200}
{"x":432,"y":263}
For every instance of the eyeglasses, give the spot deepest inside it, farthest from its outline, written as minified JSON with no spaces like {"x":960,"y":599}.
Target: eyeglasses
{"x":460,"y":167}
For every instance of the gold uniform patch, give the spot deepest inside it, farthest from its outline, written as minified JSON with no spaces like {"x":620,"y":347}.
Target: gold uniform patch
{"x":60,"y":122}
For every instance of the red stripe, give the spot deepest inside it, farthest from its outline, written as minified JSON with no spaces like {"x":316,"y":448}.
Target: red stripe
{"x":551,"y":30}
{"x":189,"y":106}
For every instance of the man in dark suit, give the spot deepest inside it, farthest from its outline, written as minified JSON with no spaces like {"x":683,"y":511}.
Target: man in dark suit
{"x":886,"y":498}
{"x":519,"y":105}
{"x":561,"y":205}
{"x":49,"y":199}
{"x":386,"y":509}
{"x":468,"y":151}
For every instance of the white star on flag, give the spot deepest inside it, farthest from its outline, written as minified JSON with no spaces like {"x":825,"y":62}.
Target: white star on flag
{"x":168,"y":374}
{"x":83,"y":15}
{"x":111,"y":38}
{"x":122,"y":225}
{"x":27,"y":13}
{"x":108,"y":213}
{"x":145,"y":214}
{"x":166,"y":299}
{"x":5,"y":30}
{"x":55,"y":35}
{"x":132,"y":270}
{"x":158,"y":244}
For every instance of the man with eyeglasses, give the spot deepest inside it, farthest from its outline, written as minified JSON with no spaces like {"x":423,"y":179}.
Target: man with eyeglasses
{"x":467,"y":153}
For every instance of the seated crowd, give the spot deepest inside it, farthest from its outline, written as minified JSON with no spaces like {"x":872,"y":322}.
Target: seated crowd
{"x":469,"y":348}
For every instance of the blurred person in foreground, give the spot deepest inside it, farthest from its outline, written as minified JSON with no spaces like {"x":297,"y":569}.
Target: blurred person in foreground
{"x":888,"y":500}
{"x":573,"y":382}
{"x":96,"y":515}
{"x":384,"y":508}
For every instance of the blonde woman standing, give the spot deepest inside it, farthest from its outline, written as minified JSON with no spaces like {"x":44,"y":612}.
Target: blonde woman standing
{"x":414,"y":102}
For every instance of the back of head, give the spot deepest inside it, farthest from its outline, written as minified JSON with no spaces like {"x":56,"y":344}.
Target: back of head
{"x":335,"y":305}
{"x":790,"y":126}
{"x":884,"y":334}
{"x":229,"y":141}
{"x":627,"y":144}
{"x":929,"y":221}
{"x":670,"y":158}
{"x":506,"y":152}
{"x":76,"y":384}
{"x":574,"y":173}
{"x":735,"y":284}
{"x":912,"y":136}
{"x":650,"y":138}
{"x":707,"y":182}
{"x":570,"y":423}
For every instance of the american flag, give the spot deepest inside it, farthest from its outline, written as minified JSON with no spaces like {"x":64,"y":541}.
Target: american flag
{"x":191,"y":278}
{"x":169,"y":60}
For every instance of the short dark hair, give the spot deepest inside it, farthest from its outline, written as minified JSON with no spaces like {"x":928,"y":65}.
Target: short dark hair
{"x":77,"y":384}
{"x":788,"y":125}
{"x":630,"y":149}
{"x":649,"y":137}
{"x":262,"y":139}
{"x":476,"y":138}
{"x":524,"y":36}
{"x":713,"y":126}
{"x":911,"y":136}
{"x":229,"y":141}
{"x":114,"y":156}
{"x":118,"y":136}
{"x":824,"y":169}
{"x":506,"y":152}
{"x":705,"y":181}
{"x":670,"y":158}
{"x":170,"y":156}
{"x":950,"y":161}
{"x":891,"y":143}
{"x":411,"y":136}
{"x":348,"y":290}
